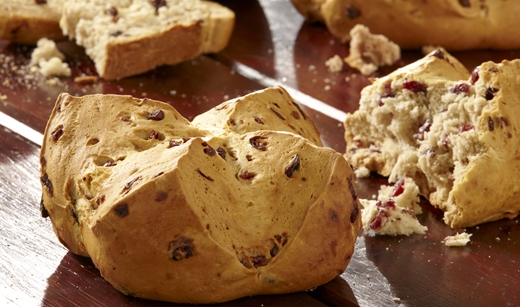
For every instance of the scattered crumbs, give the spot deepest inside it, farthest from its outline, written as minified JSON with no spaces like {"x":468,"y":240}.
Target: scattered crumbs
{"x":298,"y":65}
{"x":347,"y":78}
{"x":374,"y":196}
{"x":340,"y":124}
{"x":477,"y":228}
{"x":314,"y":80}
{"x":144,"y":94}
{"x":397,"y":300}
{"x":460,"y":239}
{"x":334,"y":64}
{"x":327,"y":87}
{"x":226,"y":97}
{"x":312,"y":67}
{"x":497,"y":239}
{"x":3,"y":97}
{"x":173,"y":92}
{"x":354,"y":76}
{"x":232,"y":72}
{"x":269,"y":51}
{"x":332,"y":42}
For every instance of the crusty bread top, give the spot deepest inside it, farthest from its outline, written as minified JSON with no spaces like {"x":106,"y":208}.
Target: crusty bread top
{"x":170,"y":210}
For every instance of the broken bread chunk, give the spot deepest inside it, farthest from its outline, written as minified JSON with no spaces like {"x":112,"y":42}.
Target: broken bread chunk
{"x":454,"y":133}
{"x":191,"y":213}
{"x":369,"y":51}
{"x":129,"y":37}
{"x":393,"y":213}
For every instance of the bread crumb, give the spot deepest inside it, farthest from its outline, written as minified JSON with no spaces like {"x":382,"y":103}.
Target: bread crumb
{"x":460,"y":239}
{"x":362,"y":172}
{"x":86,"y":79}
{"x":334,"y":64}
{"x":49,"y":59}
{"x":3,"y":97}
{"x":369,"y":51}
{"x":397,"y":300}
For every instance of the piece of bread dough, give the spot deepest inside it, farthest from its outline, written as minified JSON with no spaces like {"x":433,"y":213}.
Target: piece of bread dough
{"x":231,"y":205}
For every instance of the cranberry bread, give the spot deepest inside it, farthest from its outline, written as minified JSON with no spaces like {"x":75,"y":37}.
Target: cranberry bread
{"x":128,"y":37}
{"x":171,"y":211}
{"x":453,"y":24}
{"x":26,"y":21}
{"x":456,"y":134}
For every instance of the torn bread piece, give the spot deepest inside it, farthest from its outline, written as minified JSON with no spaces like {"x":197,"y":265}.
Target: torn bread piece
{"x":454,"y":133}
{"x":369,"y":51}
{"x":393,"y":213}
{"x":129,"y":37}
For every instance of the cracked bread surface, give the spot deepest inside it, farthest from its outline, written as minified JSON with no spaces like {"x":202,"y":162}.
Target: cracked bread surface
{"x":170,"y":210}
{"x":454,"y":133}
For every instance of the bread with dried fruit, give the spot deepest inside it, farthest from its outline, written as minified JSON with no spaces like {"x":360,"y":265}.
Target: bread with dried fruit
{"x":197,"y":212}
{"x":452,"y":24}
{"x":456,"y":134}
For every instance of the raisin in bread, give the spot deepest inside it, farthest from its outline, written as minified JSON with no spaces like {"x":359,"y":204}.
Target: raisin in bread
{"x":453,"y":24}
{"x":170,"y":210}
{"x":26,"y":21}
{"x":128,"y":37}
{"x":456,"y":134}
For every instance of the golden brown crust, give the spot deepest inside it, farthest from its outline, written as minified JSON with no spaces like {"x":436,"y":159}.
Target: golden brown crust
{"x":413,"y":24}
{"x":218,"y":216}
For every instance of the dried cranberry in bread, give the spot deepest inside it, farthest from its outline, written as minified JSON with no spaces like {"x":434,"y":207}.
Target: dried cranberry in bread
{"x":456,"y":134}
{"x":26,"y":21}
{"x":168,"y":210}
{"x":453,"y":24}
{"x":128,"y":37}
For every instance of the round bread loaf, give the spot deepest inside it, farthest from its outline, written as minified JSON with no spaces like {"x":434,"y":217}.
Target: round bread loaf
{"x":456,"y":134}
{"x":201,"y":212}
{"x":452,"y":24}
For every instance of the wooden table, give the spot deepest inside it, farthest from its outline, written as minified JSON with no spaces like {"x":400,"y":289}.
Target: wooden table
{"x":271,"y":45}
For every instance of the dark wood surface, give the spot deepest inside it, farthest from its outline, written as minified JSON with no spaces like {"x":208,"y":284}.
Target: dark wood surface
{"x":271,"y":45}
